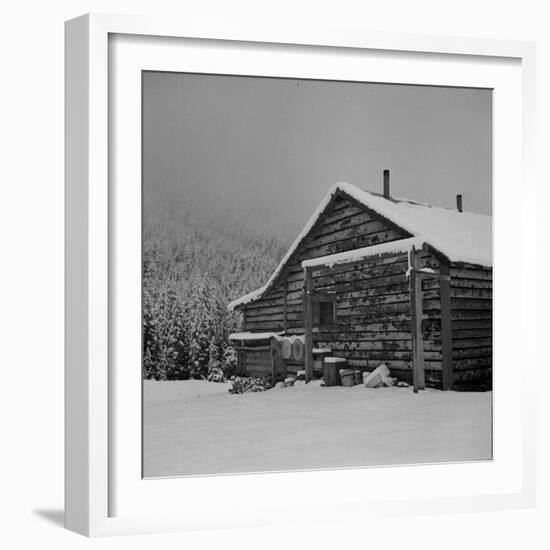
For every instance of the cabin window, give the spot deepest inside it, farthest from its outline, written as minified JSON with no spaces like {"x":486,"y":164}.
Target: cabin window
{"x":324,"y":310}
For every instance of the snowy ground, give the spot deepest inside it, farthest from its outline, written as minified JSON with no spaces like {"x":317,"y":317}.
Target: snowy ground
{"x":197,"y":427}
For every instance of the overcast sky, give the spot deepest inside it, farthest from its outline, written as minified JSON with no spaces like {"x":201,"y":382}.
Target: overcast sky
{"x":259,"y":154}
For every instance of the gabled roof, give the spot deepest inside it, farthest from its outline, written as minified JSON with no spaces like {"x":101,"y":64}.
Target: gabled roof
{"x":462,"y":237}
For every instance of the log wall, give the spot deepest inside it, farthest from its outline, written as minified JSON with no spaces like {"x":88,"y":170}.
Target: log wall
{"x":472,"y":326}
{"x":374,"y":316}
{"x":343,"y":226}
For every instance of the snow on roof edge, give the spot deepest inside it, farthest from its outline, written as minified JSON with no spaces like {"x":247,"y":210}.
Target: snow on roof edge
{"x":247,"y":298}
{"x":255,"y":294}
{"x":250,"y":336}
{"x":399,"y":245}
{"x":434,"y":239}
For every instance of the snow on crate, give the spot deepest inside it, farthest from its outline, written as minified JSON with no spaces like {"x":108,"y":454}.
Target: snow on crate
{"x":459,"y":236}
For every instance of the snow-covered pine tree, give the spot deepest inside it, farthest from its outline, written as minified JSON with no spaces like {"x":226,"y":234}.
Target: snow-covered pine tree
{"x":190,"y":273}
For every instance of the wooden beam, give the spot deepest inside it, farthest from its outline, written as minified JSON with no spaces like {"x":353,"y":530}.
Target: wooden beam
{"x":285,"y":307}
{"x":416,"y":322}
{"x":252,"y":348}
{"x":446,"y":327}
{"x":308,"y":324}
{"x":275,"y":356}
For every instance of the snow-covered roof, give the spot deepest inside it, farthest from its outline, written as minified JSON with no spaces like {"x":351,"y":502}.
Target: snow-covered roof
{"x":460,"y":236}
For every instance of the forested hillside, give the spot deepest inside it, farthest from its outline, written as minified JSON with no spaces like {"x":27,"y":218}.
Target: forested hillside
{"x":190,"y":274}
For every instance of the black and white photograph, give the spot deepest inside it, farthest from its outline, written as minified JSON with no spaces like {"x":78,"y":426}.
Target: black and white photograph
{"x":317,"y":263}
{"x":275,"y":275}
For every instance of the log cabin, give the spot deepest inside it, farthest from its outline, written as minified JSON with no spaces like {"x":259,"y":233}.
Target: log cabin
{"x":375,"y":279}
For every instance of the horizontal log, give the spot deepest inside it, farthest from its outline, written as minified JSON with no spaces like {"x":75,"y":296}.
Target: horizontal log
{"x":323,"y":237}
{"x":360,"y":266}
{"x":263,"y":310}
{"x":478,"y":304}
{"x":472,"y":323}
{"x":373,"y":317}
{"x":260,"y":351}
{"x":472,"y":293}
{"x":471,"y":283}
{"x":391,"y":289}
{"x":351,"y":219}
{"x":474,"y":352}
{"x":368,"y":345}
{"x":460,"y":273}
{"x":472,"y":343}
{"x":350,"y":244}
{"x":372,"y":327}
{"x":263,"y":326}
{"x":264,"y":302}
{"x":383,"y":309}
{"x":295,"y":272}
{"x":457,"y":284}
{"x":292,"y":312}
{"x":466,"y":265}
{"x":341,"y":282}
{"x":459,"y":334}
{"x":373,"y":300}
{"x":259,"y":315}
{"x":471,"y":363}
{"x":249,"y":349}
{"x":373,"y":271}
{"x":277,"y":319}
{"x":386,"y":355}
{"x":294,"y":296}
{"x":381,"y":284}
{"x":339,"y":202}
{"x":459,"y":315}
{"x":388,"y":346}
{"x":360,"y":336}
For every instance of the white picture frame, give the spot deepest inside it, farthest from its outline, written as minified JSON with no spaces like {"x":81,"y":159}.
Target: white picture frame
{"x":99,"y":499}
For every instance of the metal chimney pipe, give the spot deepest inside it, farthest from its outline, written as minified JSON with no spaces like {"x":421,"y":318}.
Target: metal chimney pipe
{"x":459,"y":203}
{"x":386,"y":184}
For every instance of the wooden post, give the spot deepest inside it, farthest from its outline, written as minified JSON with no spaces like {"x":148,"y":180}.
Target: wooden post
{"x":308,"y":324}
{"x":416,"y":322}
{"x":275,"y":359}
{"x":241,"y":360}
{"x":285,"y":314}
{"x":446,"y":327}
